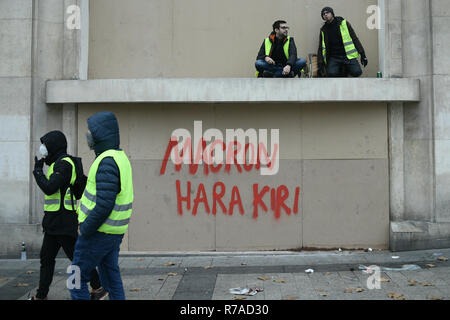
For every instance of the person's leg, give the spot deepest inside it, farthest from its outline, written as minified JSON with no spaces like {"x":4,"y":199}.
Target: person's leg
{"x":353,"y":68}
{"x":109,"y":268}
{"x":262,"y":66}
{"x":334,"y":67}
{"x":68,"y":245}
{"x":86,"y":258}
{"x":49,"y":251}
{"x":298,"y":66}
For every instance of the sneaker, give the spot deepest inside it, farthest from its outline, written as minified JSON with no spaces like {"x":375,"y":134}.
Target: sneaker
{"x":267,"y":74}
{"x":99,"y":294}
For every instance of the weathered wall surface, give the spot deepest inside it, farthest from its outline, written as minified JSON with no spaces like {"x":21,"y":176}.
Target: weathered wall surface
{"x":335,"y":153}
{"x":207,"y":38}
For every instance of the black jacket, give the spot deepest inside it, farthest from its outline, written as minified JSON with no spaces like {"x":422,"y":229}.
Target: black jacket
{"x":292,"y":51}
{"x":105,"y":131}
{"x":355,"y":39}
{"x":62,"y":222}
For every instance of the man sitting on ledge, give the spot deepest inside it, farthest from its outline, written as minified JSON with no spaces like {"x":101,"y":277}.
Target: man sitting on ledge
{"x":277,"y":56}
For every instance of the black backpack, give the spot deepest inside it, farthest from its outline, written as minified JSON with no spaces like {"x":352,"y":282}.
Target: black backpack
{"x":80,"y":182}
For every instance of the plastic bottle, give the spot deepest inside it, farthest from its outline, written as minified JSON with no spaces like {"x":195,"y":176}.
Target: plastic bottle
{"x":23,"y":252}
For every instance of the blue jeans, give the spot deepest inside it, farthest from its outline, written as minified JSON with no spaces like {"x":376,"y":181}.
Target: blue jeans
{"x":100,"y":250}
{"x":336,"y":64}
{"x":277,"y":70}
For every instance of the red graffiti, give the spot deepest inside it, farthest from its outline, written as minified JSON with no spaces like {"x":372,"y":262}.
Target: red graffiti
{"x":278,"y":197}
{"x":233,"y":150}
{"x":278,"y":200}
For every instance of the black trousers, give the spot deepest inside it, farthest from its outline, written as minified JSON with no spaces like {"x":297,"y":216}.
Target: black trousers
{"x":49,"y":251}
{"x":342,"y":67}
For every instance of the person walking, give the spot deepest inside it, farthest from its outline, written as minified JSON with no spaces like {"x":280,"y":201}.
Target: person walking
{"x":105,"y":208}
{"x":59,"y":223}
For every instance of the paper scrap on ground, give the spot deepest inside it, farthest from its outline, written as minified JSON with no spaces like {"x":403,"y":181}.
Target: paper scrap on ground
{"x":245,"y":291}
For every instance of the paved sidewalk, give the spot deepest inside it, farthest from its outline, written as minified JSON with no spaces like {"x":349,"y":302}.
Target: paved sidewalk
{"x":281,"y":275}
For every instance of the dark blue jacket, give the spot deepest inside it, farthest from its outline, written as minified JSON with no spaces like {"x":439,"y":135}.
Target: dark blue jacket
{"x":105,"y":131}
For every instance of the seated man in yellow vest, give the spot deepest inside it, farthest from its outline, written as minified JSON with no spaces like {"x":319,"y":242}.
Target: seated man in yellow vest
{"x":105,"y":208}
{"x":60,"y":219}
{"x":277,"y":56}
{"x":339,"y":47}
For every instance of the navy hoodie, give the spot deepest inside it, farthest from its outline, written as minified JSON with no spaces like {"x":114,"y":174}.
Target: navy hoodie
{"x":105,"y":132}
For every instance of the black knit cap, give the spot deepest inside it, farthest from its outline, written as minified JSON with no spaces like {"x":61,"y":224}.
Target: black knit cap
{"x":327,"y":9}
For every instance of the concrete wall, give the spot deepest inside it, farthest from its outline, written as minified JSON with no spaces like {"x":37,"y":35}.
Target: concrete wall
{"x":207,"y":38}
{"x":336,"y":154}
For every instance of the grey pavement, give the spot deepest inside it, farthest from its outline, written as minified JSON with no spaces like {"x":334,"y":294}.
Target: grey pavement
{"x":280,"y":275}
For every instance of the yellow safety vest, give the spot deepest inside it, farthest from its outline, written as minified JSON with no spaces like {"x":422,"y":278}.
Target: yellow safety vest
{"x":268,"y":47}
{"x":52,"y":203}
{"x":117,"y":222}
{"x":347,"y":40}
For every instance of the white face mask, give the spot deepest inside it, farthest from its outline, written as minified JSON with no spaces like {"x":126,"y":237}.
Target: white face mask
{"x":43,"y":150}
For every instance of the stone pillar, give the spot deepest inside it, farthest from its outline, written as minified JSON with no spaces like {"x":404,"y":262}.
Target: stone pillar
{"x":36,"y":47}
{"x":440,"y":25}
{"x":419,"y":132}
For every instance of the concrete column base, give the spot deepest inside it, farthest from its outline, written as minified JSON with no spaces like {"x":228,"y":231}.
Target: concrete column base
{"x":418,"y":235}
{"x":12,"y":235}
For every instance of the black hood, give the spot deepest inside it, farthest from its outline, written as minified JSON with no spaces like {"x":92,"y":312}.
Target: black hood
{"x":56,"y":144}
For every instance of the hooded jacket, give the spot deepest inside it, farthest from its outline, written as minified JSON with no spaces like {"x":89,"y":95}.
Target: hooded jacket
{"x":105,"y":133}
{"x":292,"y":51}
{"x":355,"y":39}
{"x":62,"y":222}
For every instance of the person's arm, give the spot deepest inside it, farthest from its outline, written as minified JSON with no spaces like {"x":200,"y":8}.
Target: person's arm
{"x":60,"y":178}
{"x":320,"y":57}
{"x":262,"y":52}
{"x":107,"y":187}
{"x":292,"y":53}
{"x":355,"y":39}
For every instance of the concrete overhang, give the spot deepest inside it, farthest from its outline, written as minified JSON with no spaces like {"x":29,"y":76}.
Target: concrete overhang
{"x":232,"y":90}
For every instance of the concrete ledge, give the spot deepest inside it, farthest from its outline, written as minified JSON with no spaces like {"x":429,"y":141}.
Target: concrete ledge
{"x":222,"y":90}
{"x":419,"y":235}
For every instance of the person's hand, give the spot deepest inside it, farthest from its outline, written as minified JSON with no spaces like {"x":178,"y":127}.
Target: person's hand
{"x":286,"y":70}
{"x":269,"y":60}
{"x":38,"y":164}
{"x":364,"y":60}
